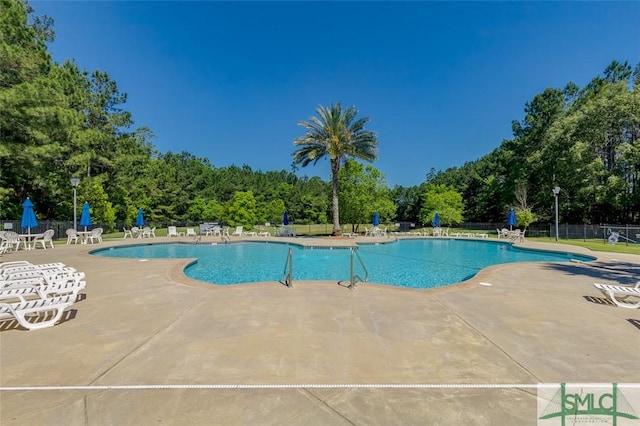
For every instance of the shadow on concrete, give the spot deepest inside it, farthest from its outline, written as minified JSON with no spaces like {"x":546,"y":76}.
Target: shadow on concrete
{"x":619,"y":272}
{"x":12,"y":324}
{"x":634,"y":322}
{"x":599,"y":301}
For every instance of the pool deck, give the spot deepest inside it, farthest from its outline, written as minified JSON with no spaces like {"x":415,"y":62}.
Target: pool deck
{"x":144,"y":323}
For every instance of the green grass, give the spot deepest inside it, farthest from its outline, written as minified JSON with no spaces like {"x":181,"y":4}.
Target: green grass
{"x":595,"y":245}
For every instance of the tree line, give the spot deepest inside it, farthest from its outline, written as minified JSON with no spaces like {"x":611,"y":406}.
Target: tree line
{"x":59,"y":121}
{"x":584,"y":141}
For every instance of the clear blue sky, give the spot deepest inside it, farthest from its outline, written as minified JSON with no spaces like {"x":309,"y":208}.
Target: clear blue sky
{"x":440,"y":81}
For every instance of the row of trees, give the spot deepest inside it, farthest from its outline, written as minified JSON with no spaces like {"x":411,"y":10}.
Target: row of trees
{"x":58,"y":121}
{"x":583,"y":140}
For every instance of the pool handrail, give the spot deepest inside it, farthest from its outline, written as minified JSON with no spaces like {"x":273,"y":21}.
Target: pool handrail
{"x":352,"y":277}
{"x":287,"y":276}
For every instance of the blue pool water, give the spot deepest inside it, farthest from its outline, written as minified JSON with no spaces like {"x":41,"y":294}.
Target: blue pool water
{"x":407,"y":263}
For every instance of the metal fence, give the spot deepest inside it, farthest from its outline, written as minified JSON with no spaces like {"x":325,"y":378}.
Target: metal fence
{"x":629,"y":233}
{"x":58,"y":226}
{"x":625,"y":233}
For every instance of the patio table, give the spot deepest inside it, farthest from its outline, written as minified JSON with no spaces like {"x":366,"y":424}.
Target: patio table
{"x":84,"y":236}
{"x":27,"y":239}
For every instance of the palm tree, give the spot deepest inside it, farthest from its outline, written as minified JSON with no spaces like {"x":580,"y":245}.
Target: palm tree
{"x":335,"y":133}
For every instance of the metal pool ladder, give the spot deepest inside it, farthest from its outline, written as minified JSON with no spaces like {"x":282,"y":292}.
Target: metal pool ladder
{"x":287,"y":275}
{"x":353,"y":279}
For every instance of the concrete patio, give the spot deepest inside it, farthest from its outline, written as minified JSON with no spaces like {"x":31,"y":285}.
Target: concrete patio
{"x":143,"y":323}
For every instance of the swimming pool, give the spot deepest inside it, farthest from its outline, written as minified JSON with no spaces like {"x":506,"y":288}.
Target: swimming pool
{"x":419,"y":263}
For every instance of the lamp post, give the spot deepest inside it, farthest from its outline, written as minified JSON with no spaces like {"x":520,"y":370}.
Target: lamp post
{"x":75,"y":182}
{"x":556,"y":191}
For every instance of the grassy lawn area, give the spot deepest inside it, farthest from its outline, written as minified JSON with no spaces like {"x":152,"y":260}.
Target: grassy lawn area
{"x":595,"y":245}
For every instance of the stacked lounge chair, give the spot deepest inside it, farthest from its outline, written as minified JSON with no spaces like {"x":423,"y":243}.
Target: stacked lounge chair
{"x":29,"y":293}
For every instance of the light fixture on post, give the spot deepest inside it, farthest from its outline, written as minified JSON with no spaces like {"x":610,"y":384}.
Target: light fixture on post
{"x":556,"y":191}
{"x":75,"y":182}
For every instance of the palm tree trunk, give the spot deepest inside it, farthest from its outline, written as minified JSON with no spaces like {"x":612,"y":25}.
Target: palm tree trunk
{"x":335,"y":168}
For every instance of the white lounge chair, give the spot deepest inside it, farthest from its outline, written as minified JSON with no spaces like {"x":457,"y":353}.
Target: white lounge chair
{"x":49,"y":271}
{"x":23,"y":311}
{"x":22,"y":263}
{"x":191,"y":232}
{"x":238,"y":231}
{"x":39,"y":288}
{"x":619,"y":294}
{"x":172,"y":231}
{"x":45,"y":269}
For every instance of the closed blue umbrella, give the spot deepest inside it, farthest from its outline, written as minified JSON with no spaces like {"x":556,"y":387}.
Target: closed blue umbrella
{"x":85,"y":219}
{"x":140,"y":218}
{"x":285,"y":218}
{"x":436,"y":221}
{"x":511,"y":220}
{"x":376,"y":219}
{"x":28,"y":216}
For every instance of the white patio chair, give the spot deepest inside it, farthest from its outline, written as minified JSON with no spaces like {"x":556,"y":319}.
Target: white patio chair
{"x":72,"y":235}
{"x":95,"y":235}
{"x":47,"y":237}
{"x":172,"y":231}
{"x":127,"y":232}
{"x":9,"y":240}
{"x":238,"y":231}
{"x":191,"y":232}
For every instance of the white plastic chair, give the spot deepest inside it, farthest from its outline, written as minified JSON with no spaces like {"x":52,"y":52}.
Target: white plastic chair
{"x":172,"y":231}
{"x":47,"y":237}
{"x":95,"y":235}
{"x":21,"y":310}
{"x":618,"y":294}
{"x":127,"y":232}
{"x":72,"y":235}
